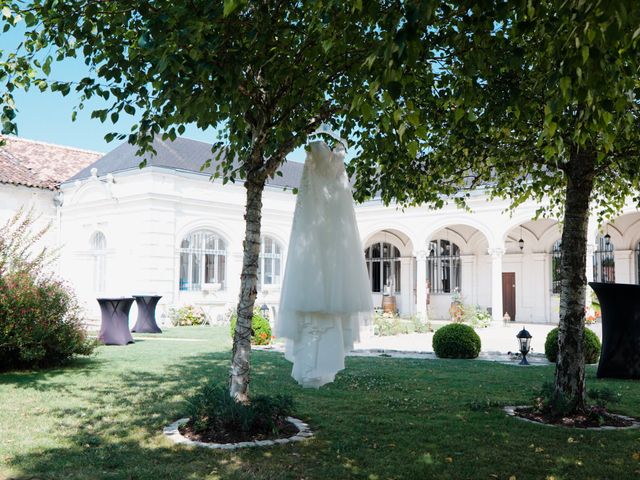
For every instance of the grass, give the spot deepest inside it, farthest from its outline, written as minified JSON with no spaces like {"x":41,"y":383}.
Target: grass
{"x":383,"y":418}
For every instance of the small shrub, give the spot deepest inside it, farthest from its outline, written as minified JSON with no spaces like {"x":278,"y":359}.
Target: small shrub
{"x":186,"y":316}
{"x":456,"y":340}
{"x":260,"y":328}
{"x":548,"y":403}
{"x":212,"y":409}
{"x":603,"y":396}
{"x":40,"y":319}
{"x":40,"y":323}
{"x":386,"y":324}
{"x":592,"y":346}
{"x":476,"y":316}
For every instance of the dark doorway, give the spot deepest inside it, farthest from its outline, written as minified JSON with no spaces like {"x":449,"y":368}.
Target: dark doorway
{"x":509,"y":294}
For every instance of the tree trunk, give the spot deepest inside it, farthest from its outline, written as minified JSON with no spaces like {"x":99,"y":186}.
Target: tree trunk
{"x":569,"y":395}
{"x":240,"y":363}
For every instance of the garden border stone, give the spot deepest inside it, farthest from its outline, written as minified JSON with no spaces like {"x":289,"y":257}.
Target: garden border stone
{"x":635,"y":423}
{"x":172,"y":432}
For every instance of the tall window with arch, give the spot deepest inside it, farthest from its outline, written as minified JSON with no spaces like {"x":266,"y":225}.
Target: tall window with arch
{"x":384,"y":267}
{"x":203,"y":260}
{"x":270,"y":266}
{"x":443,"y":266}
{"x":556,"y":267}
{"x":604,"y":263}
{"x":98,"y":248}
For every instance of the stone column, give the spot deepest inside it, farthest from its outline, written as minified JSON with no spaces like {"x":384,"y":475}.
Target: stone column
{"x":406,"y":287}
{"x":624,"y":265}
{"x":496,"y":285}
{"x":540,"y":291}
{"x":468,"y":279}
{"x":421,"y":281}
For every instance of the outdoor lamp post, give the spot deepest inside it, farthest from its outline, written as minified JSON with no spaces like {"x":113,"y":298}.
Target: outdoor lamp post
{"x":524,"y":338}
{"x":265,"y":310}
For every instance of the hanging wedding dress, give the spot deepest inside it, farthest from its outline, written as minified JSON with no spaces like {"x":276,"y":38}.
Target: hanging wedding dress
{"x":325,"y":296}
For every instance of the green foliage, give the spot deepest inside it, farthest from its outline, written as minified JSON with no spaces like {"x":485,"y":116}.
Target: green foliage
{"x":551,"y":402}
{"x":554,"y":403}
{"x":186,"y":316}
{"x":387,"y":324}
{"x":19,"y":245}
{"x":211,"y":408}
{"x":456,"y":340}
{"x":40,"y":319}
{"x":264,"y":76}
{"x":260,"y":328}
{"x":476,"y":316}
{"x":592,"y":346}
{"x":603,"y":397}
{"x":521,"y":88}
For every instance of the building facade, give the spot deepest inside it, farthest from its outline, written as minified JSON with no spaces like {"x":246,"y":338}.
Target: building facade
{"x":167,"y":229}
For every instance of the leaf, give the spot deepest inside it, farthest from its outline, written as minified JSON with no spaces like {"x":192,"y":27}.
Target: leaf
{"x":458,"y":114}
{"x":585,"y":53}
{"x":565,"y":83}
{"x":229,"y":7}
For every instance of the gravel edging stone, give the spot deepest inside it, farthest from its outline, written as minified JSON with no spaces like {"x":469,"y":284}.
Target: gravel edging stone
{"x":172,"y":432}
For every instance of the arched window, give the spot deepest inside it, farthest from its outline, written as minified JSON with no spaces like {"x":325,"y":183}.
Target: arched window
{"x":203,"y":260}
{"x":270,"y":266}
{"x":556,"y":267}
{"x":604,"y":263}
{"x":443,"y":266}
{"x":384,"y":267}
{"x":98,"y":248}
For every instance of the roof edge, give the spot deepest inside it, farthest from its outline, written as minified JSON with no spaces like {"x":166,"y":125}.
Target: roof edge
{"x":48,"y":144}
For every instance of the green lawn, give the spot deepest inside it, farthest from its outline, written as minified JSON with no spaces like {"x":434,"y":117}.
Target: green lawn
{"x":382,"y":418}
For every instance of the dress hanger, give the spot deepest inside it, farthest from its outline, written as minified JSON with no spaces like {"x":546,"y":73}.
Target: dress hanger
{"x":325,"y":129}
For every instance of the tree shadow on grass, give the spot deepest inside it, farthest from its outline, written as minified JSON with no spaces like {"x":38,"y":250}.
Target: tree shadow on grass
{"x":381,"y":418}
{"x":43,"y":379}
{"x":113,"y":429}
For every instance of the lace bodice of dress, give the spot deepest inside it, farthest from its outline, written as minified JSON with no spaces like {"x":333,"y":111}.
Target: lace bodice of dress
{"x":328,"y":164}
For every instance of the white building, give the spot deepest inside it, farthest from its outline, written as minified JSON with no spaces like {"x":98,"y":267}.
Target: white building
{"x":169,"y":230}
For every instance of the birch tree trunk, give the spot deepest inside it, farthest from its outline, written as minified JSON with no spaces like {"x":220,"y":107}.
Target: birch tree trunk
{"x":241,"y":358}
{"x":569,"y":392}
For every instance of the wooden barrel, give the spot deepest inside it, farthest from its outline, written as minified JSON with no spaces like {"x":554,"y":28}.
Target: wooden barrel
{"x":389,"y":304}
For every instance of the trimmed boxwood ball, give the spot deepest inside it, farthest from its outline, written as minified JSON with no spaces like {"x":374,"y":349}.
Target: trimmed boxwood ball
{"x":456,"y":340}
{"x":592,"y":346}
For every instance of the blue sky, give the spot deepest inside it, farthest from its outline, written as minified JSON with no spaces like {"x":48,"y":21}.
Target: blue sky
{"x":46,"y":116}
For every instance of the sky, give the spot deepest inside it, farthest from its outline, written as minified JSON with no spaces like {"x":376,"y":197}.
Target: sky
{"x":46,"y":116}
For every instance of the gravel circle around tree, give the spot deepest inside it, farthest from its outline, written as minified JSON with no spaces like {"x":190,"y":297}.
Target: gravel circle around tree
{"x":609,"y":421}
{"x":175,"y":433}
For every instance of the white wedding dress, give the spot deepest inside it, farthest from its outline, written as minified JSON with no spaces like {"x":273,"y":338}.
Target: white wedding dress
{"x":325,"y":296}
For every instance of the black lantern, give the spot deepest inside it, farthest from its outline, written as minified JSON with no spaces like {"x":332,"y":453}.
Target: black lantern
{"x":521,"y":244}
{"x":265,"y":310}
{"x":607,"y":239}
{"x":524,"y":339}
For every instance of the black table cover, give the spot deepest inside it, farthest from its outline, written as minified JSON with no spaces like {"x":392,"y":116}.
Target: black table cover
{"x":114,"y":329}
{"x":620,"y":304}
{"x":146,"y":322}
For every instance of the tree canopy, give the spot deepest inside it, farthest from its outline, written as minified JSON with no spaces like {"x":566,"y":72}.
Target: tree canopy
{"x":531,"y":100}
{"x":264,"y":74}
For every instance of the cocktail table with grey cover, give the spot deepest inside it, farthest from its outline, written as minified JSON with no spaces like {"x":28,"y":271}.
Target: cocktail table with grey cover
{"x":146,"y":322}
{"x":114,"y":329}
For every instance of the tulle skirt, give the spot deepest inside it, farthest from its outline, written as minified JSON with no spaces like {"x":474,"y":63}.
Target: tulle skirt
{"x":325,"y":300}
